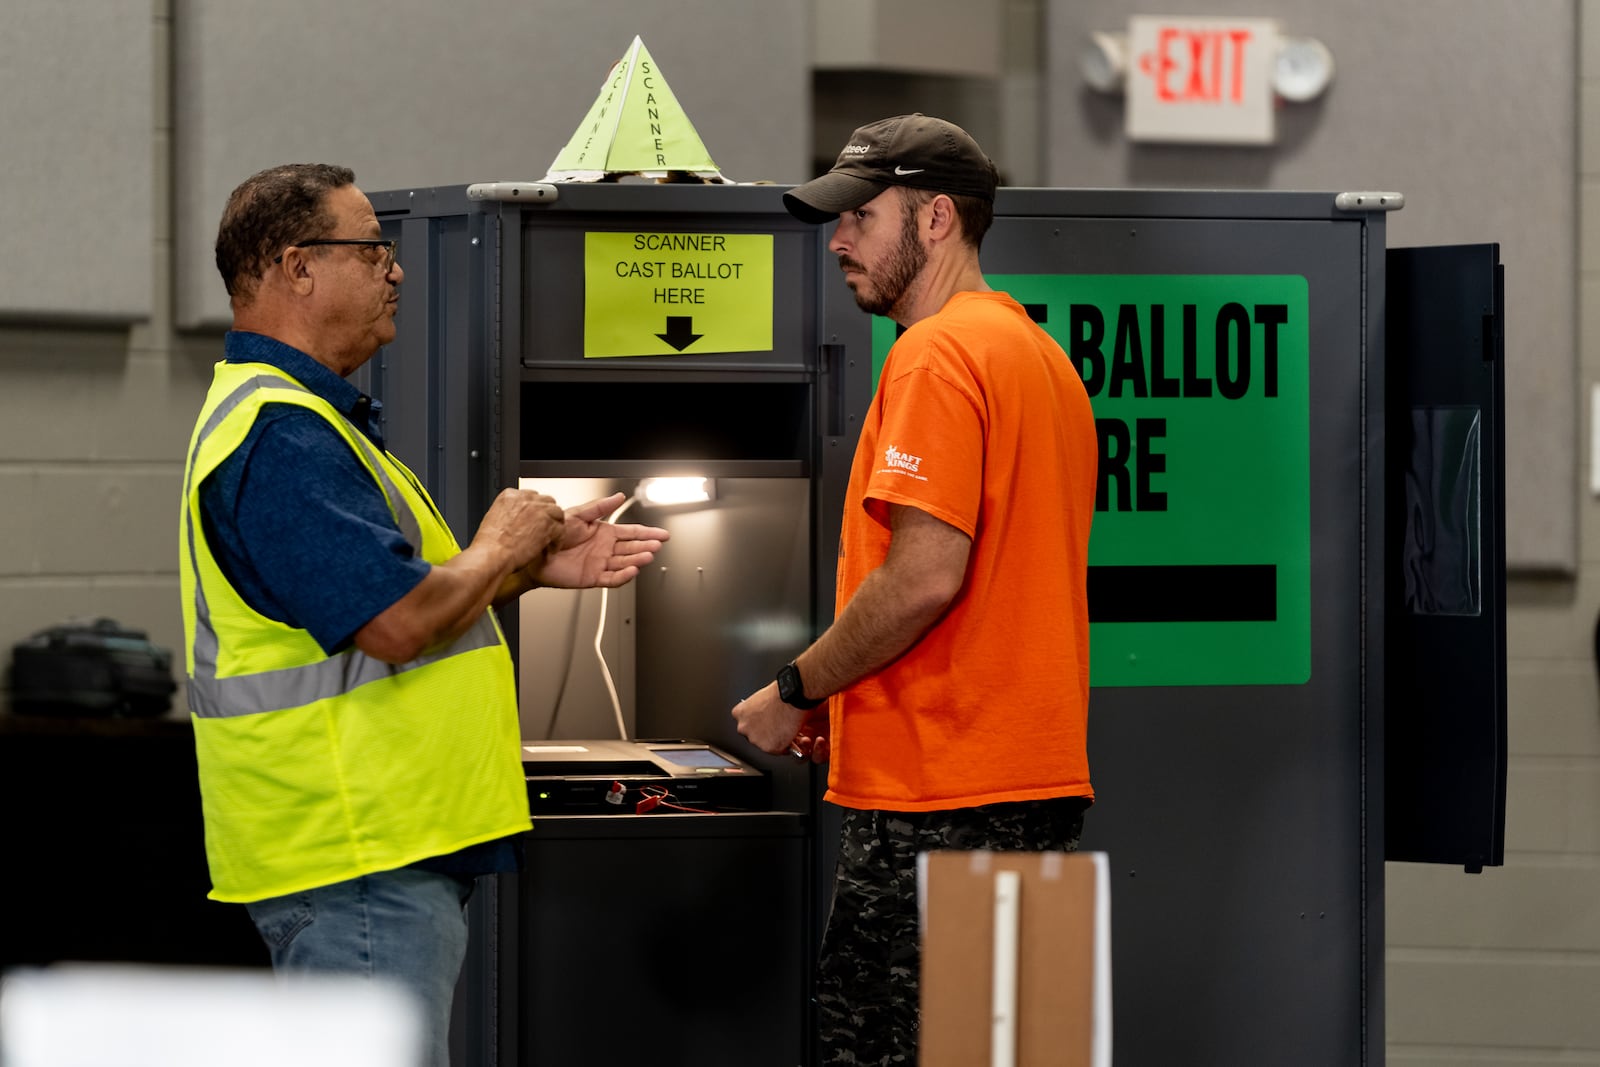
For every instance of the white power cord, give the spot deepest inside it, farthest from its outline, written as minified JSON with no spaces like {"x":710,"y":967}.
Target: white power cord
{"x":599,"y":632}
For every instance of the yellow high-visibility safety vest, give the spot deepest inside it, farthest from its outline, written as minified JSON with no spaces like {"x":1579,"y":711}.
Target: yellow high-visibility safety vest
{"x":315,"y":769}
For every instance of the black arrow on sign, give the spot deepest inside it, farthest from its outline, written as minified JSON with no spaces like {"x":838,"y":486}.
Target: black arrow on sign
{"x":680,"y":332}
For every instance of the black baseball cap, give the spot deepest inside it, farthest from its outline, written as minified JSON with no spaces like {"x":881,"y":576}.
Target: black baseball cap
{"x":911,"y":150}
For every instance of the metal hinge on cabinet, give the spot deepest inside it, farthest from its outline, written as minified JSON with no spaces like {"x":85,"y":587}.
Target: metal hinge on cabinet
{"x":1369,"y":201}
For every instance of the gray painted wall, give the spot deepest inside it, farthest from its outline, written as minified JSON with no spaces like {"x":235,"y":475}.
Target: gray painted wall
{"x":1465,"y":106}
{"x":76,"y":178}
{"x":416,"y":93}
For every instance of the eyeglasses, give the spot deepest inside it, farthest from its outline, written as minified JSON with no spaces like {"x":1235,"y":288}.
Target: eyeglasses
{"x":390,"y":248}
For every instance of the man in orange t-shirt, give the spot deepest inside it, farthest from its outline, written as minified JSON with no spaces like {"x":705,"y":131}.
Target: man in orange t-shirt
{"x":956,"y":671}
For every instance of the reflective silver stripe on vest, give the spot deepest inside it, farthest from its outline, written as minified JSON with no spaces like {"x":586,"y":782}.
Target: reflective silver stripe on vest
{"x":292,"y":687}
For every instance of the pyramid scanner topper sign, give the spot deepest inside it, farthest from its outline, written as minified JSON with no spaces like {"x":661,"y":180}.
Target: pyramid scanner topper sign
{"x":635,"y":126}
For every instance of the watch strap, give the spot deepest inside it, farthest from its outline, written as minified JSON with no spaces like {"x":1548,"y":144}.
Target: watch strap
{"x":791,"y":690}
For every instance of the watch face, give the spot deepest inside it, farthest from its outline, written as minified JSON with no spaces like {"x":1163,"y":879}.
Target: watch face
{"x":788,"y":684}
{"x":790,"y":689}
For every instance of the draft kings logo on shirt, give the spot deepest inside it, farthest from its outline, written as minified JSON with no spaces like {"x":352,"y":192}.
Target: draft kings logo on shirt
{"x":898,"y":462}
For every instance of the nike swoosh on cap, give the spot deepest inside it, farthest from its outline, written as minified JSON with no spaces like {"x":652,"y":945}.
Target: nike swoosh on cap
{"x":903,"y":171}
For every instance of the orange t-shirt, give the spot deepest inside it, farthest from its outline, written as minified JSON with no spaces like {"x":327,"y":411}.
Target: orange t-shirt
{"x":980,"y":420}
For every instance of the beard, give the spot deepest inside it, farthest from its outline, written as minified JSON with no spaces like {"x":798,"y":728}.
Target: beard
{"x":882,"y":289}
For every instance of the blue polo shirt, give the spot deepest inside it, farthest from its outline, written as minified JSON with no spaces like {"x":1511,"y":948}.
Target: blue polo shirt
{"x":294,"y":518}
{"x":303,"y":532}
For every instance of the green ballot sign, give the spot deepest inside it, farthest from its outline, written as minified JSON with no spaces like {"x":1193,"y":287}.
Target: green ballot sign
{"x":1200,"y":557}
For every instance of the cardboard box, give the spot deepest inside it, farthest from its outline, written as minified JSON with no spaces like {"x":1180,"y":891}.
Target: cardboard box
{"x":1062,"y":958}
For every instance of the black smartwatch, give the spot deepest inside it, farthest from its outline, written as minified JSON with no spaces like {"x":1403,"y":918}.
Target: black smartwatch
{"x":790,"y":689}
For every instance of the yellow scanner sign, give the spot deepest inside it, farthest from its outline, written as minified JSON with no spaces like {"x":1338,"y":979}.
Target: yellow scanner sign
{"x":666,"y":294}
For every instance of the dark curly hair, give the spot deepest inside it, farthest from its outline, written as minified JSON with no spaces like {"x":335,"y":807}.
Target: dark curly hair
{"x":270,"y":211}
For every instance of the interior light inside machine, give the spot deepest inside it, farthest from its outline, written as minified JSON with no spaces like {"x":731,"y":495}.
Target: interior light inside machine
{"x":652,"y":492}
{"x":678,"y":490}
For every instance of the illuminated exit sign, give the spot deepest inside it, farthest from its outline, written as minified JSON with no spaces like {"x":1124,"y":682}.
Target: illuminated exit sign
{"x":1201,"y":80}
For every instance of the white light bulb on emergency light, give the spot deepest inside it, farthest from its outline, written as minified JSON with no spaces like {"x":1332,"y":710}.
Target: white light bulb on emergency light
{"x":1302,"y":69}
{"x":1104,"y":61}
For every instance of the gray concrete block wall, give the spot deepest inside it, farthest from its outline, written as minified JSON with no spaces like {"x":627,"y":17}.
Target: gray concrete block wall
{"x":1445,"y":101}
{"x":103,"y":369}
{"x":93,"y":428}
{"x":1503,"y":968}
{"x":94,"y":419}
{"x":415,"y":93}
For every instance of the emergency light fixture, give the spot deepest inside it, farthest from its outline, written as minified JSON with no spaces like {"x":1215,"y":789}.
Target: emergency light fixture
{"x":1302,"y":67}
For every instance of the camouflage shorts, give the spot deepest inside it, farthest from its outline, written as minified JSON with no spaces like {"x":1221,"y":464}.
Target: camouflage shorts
{"x":868,"y":973}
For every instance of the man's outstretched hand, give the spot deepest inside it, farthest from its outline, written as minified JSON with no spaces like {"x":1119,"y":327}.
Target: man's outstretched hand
{"x":594,"y":552}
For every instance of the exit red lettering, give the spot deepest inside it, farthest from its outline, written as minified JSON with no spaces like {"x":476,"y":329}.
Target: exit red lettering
{"x":1197,"y":66}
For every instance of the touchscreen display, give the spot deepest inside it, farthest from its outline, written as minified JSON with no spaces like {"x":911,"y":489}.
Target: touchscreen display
{"x":693,"y":757}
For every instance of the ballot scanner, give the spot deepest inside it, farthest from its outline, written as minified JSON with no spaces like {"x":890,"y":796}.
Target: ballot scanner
{"x":615,"y":777}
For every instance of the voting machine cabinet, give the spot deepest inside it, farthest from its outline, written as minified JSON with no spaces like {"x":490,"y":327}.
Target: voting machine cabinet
{"x":586,"y":339}
{"x":1296,"y":587}
{"x":1296,"y":594}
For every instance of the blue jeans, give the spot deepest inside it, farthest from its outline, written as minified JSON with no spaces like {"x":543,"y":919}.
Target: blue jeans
{"x":408,"y":926}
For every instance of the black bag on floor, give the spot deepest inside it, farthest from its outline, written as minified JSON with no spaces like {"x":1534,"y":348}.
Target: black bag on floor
{"x":90,"y":669}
